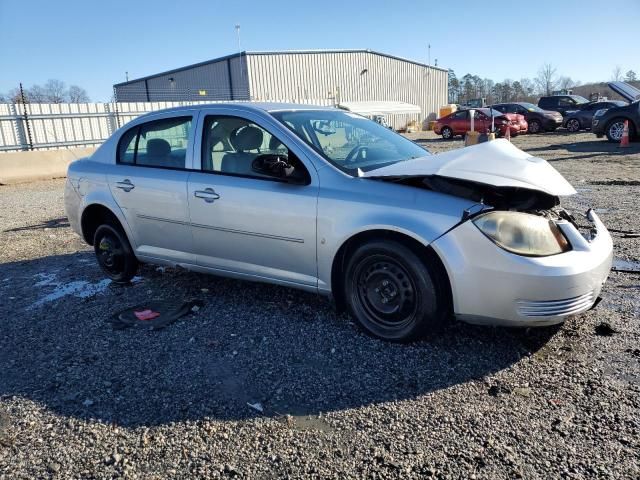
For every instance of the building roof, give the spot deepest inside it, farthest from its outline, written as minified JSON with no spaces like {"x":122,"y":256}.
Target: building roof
{"x":283,"y":52}
{"x":247,"y":106}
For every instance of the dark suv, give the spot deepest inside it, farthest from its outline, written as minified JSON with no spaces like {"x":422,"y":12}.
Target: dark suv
{"x":610,"y":121}
{"x":537,"y":118}
{"x":561,"y":103}
{"x":575,"y":120}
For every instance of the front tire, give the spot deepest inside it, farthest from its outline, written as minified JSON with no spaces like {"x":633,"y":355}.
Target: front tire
{"x":447,"y":133}
{"x":573,"y":125}
{"x":535,"y":126}
{"x":114,"y":253}
{"x":614,"y":130}
{"x":392,"y":293}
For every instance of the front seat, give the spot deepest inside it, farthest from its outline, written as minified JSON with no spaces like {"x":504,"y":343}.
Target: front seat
{"x":243,"y":139}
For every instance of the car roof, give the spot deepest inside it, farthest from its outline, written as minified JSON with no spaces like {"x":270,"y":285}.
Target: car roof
{"x":247,"y":106}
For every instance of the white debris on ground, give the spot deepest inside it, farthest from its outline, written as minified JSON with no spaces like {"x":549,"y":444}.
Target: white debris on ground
{"x":78,"y":288}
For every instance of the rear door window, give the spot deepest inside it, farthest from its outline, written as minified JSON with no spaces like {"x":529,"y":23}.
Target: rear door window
{"x":160,"y":143}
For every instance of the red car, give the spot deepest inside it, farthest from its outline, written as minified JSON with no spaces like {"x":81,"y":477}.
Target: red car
{"x":459,"y":123}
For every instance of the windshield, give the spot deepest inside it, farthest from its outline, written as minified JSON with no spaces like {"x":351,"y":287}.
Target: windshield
{"x":579,"y":100}
{"x":349,"y":141}
{"x":531,"y":107}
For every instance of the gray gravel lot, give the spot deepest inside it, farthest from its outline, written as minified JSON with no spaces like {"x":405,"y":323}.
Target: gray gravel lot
{"x":80,"y":400}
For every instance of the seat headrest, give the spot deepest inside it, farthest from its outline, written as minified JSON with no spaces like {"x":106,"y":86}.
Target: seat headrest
{"x":246,"y":138}
{"x":158,"y":147}
{"x":274,"y":143}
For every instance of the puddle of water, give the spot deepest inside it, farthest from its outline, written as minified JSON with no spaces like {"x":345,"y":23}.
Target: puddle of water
{"x":602,"y":210}
{"x":583,"y":190}
{"x":79,"y":288}
{"x":620,"y":264}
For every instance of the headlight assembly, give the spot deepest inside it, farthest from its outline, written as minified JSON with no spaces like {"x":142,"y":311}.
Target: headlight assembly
{"x":523,"y":233}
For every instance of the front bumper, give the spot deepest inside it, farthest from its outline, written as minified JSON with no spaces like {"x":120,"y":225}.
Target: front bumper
{"x":493,"y":286}
{"x":551,"y":123}
{"x":597,"y":126}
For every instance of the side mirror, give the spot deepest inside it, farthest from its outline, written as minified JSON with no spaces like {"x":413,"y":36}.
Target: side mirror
{"x":272,"y":165}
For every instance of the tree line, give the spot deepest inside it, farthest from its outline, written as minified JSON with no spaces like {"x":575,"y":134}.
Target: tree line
{"x":53,"y":91}
{"x":463,"y":89}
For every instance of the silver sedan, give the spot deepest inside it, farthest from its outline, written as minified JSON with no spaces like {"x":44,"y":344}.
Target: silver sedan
{"x":327,"y":201}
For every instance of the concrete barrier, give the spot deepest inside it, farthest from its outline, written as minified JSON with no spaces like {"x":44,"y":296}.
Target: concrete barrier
{"x":22,"y":167}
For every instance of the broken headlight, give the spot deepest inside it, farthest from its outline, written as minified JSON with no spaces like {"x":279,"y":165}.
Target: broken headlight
{"x":523,"y":233}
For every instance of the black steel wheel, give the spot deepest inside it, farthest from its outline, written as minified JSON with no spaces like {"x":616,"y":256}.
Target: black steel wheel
{"x":114,"y":253}
{"x":535,"y":126}
{"x":447,"y":133}
{"x":392,"y":293}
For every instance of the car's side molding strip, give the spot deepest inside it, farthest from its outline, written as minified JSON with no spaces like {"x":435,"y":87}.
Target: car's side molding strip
{"x":228,"y":230}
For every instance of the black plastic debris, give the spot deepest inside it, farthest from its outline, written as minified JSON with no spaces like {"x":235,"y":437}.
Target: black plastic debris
{"x":605,"y":330}
{"x":154,"y":315}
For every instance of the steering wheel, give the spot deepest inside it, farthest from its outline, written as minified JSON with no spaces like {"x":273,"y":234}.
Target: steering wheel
{"x":355,"y":152}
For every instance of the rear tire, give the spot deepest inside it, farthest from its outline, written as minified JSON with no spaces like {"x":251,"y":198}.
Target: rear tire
{"x":447,"y":133}
{"x":114,"y":253}
{"x":392,"y":293}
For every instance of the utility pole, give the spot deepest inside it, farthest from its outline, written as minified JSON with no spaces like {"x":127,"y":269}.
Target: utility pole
{"x":238,"y":36}
{"x":126,"y":76}
{"x":239,"y":58}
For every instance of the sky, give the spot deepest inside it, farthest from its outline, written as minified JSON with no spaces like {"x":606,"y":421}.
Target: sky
{"x":93,"y":43}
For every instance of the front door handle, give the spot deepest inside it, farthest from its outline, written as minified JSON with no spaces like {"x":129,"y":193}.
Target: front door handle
{"x":125,"y":185}
{"x":208,"y":195}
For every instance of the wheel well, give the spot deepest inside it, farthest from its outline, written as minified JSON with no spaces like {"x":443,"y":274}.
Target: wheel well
{"x":92,"y":217}
{"x":427,"y":252}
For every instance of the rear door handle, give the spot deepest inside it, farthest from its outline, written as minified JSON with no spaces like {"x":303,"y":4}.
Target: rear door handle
{"x":125,"y":185}
{"x":208,"y":195}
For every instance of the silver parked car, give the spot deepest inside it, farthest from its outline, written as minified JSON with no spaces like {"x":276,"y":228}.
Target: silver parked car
{"x":330,"y":202}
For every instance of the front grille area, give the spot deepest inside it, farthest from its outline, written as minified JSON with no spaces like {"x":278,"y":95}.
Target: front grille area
{"x":554,"y":308}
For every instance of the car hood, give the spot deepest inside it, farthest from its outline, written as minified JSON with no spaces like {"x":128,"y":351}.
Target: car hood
{"x":628,"y":92}
{"x":498,"y":163}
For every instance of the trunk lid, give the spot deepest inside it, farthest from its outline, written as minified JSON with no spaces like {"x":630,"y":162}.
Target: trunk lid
{"x":497,"y":163}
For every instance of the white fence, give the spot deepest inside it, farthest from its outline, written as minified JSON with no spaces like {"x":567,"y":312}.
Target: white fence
{"x":44,"y":126}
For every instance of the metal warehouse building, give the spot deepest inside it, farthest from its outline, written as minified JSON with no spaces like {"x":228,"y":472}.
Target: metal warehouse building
{"x":324,"y":77}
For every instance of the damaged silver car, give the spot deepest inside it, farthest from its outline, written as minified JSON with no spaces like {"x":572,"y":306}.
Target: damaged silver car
{"x":330,"y":202}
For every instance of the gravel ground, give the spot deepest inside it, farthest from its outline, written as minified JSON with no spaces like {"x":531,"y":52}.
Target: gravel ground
{"x":80,"y":400}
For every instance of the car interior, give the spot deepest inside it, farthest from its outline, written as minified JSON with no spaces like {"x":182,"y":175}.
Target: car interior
{"x":232,"y":144}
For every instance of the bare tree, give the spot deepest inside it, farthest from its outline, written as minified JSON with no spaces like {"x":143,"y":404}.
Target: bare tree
{"x":616,"y":74}
{"x":36,"y":94}
{"x":566,"y":83}
{"x":56,"y":91}
{"x":13,"y":96}
{"x":77,"y":94}
{"x":547,"y":79}
{"x":528,"y":87}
